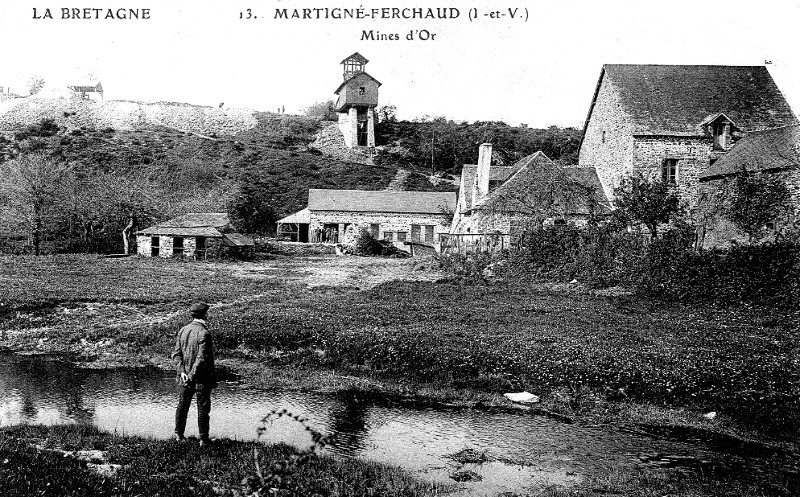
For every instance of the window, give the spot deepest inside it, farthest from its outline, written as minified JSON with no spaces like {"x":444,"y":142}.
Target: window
{"x":719,"y":131}
{"x":362,"y":90}
{"x":154,"y":248}
{"x":374,"y":229}
{"x":604,"y":137}
{"x":177,"y":246}
{"x":415,"y":232}
{"x":388,"y":236}
{"x":200,"y":249}
{"x":401,"y":236}
{"x":559,"y":222}
{"x":428,"y":234}
{"x":669,"y":171}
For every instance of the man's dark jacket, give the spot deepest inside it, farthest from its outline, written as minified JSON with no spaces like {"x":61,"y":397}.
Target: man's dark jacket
{"x":194,"y":355}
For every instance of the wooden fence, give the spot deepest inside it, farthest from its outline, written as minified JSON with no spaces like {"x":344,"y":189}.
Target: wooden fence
{"x":473,"y":243}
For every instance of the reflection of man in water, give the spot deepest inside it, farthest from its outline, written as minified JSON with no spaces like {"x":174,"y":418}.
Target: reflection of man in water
{"x":194,"y":360}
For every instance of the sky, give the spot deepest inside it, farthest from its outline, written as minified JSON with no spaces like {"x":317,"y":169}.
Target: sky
{"x":539,"y":69}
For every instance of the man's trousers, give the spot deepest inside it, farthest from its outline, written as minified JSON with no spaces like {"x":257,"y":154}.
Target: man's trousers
{"x":185,"y":394}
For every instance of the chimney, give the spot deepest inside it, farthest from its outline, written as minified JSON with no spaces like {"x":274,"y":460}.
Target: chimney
{"x":481,"y":187}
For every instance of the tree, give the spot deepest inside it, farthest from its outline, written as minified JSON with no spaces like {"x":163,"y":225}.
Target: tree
{"x":31,"y":187}
{"x":35,"y":84}
{"x":251,"y":210}
{"x":386,"y":114}
{"x":646,"y":201}
{"x":325,"y":111}
{"x":756,"y":201}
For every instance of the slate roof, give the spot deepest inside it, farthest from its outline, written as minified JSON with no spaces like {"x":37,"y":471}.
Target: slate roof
{"x":771,"y":149}
{"x":531,"y":171}
{"x":497,"y":174}
{"x":380,"y":201}
{"x":356,"y":75}
{"x":210,"y":224}
{"x":674,"y":100}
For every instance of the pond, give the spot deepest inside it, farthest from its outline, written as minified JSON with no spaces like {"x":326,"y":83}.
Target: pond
{"x":524,"y":451}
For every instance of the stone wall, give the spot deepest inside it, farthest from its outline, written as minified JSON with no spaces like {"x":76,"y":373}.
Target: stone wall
{"x":693,"y":155}
{"x":719,"y":232}
{"x":388,"y":222}
{"x":330,"y":142}
{"x":608,"y":141}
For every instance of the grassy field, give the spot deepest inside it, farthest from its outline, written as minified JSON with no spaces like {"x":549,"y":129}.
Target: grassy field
{"x":153,"y":467}
{"x":580,"y":351}
{"x":310,"y":322}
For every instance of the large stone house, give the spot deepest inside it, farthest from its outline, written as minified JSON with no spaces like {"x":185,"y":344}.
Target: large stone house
{"x":195,"y":236}
{"x":508,"y":199}
{"x":674,"y":121}
{"x":396,"y":216}
{"x":356,"y":100}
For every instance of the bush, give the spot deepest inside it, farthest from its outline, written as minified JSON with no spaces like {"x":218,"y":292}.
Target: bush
{"x":666,"y":268}
{"x":364,"y":244}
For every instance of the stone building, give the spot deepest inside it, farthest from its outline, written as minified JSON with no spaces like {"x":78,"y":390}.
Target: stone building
{"x":195,"y":236}
{"x":774,"y":151}
{"x":674,"y":121}
{"x":396,"y":216}
{"x":357,"y":98}
{"x":87,"y":91}
{"x":507,"y":199}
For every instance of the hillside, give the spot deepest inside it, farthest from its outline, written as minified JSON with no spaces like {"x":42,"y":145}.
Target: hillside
{"x":162,"y":160}
{"x":158,"y":160}
{"x":16,"y":113}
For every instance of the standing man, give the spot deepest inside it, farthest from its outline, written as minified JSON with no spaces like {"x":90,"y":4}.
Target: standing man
{"x":194,"y":360}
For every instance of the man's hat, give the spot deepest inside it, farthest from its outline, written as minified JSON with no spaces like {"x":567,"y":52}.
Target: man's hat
{"x":198,"y":308}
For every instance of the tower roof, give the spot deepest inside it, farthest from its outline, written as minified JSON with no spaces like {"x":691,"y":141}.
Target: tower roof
{"x":359,"y":75}
{"x":356,"y":57}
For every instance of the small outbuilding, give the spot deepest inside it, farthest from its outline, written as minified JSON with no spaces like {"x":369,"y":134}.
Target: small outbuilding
{"x":87,"y":91}
{"x":197,"y":235}
{"x":394,"y":216}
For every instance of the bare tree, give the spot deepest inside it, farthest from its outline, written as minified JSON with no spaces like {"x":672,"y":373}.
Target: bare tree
{"x":35,"y":84}
{"x":30,"y":189}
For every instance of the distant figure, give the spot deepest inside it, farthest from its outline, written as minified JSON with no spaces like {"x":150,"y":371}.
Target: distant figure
{"x":283,"y":109}
{"x":221,"y":104}
{"x":194,"y":361}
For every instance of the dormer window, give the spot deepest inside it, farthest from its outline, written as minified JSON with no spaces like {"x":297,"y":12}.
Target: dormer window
{"x":719,"y":130}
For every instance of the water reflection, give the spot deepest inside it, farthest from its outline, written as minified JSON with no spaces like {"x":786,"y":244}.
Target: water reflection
{"x":43,"y":390}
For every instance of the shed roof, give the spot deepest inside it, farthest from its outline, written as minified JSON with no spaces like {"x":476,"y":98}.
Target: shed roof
{"x":236,"y":240}
{"x":380,"y":201}
{"x":211,"y":224}
{"x":760,"y":150}
{"x":675,"y":100}
{"x":302,"y":217}
{"x":87,"y":87}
